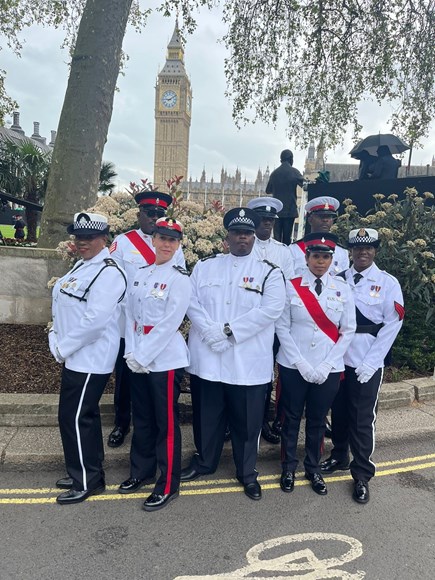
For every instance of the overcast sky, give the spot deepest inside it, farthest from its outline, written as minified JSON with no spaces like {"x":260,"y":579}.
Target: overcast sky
{"x":37,"y":81}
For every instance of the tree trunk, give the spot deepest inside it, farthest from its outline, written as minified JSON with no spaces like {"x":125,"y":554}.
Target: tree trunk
{"x":85,"y":118}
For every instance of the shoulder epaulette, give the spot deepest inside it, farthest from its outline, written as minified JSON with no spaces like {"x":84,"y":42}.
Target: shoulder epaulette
{"x":341,"y":275}
{"x":110,"y":262}
{"x":181,"y":270}
{"x":270,"y":264}
{"x":208,"y":257}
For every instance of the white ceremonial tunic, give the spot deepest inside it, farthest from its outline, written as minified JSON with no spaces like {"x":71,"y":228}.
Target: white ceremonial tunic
{"x":299,"y":335}
{"x":340,"y":260}
{"x":223,"y":291}
{"x":275,"y":252}
{"x":87,"y":332}
{"x":159,"y":297}
{"x":130,"y":259}
{"x":375,"y":296}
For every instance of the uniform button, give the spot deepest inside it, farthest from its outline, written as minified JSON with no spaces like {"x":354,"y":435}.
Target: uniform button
{"x":230,"y":283}
{"x":313,"y":344}
{"x":228,"y":301}
{"x":315,"y":329}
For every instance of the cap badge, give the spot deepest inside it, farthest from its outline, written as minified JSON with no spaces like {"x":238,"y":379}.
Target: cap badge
{"x":326,"y":206}
{"x":323,"y":240}
{"x":362,"y":232}
{"x":268,"y":208}
{"x":157,"y":200}
{"x":83,"y":219}
{"x":242,"y":213}
{"x":170,"y":223}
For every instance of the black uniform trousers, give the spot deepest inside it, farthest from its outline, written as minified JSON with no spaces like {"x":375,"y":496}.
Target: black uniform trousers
{"x":80,"y":427}
{"x":156,"y":440}
{"x":215,"y":404}
{"x":270,"y":386}
{"x":296,"y":393}
{"x":282,"y":229}
{"x":353,"y":422}
{"x":122,"y":398}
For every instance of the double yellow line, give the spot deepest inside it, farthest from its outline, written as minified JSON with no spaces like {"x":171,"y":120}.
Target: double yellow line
{"x":212,"y":486}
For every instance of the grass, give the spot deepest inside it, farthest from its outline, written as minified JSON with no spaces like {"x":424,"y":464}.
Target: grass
{"x":8,"y":231}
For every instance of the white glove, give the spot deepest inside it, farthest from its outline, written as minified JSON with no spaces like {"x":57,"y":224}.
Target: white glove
{"x":220,"y":346}
{"x":215,"y":333}
{"x":52,"y":343}
{"x":133,"y":365}
{"x":364,"y":373}
{"x":321,"y":373}
{"x":306,"y":370}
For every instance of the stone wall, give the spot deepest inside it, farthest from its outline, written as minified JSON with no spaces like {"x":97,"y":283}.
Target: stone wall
{"x":24,"y":274}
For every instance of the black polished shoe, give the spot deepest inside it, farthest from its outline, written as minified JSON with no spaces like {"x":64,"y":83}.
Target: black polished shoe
{"x":132,"y":484}
{"x":117,"y":436}
{"x":156,"y":501}
{"x":74,"y":496}
{"x":287,"y":481}
{"x":268,"y":435}
{"x":317,"y":483}
{"x":227,"y":435}
{"x":361,"y":491}
{"x":189,"y":474}
{"x":64,"y":483}
{"x":252,"y":490}
{"x":330,"y":465}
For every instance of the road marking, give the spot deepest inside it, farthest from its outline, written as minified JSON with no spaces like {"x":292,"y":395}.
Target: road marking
{"x":208,"y":487}
{"x":293,"y":563}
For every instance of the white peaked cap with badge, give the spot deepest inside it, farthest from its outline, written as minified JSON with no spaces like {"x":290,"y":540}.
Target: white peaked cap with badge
{"x":323,"y":204}
{"x":363,"y":237}
{"x":266,"y":206}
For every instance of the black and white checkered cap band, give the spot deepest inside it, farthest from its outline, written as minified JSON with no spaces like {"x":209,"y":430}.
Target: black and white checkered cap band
{"x":91,"y":225}
{"x":367,"y":239}
{"x":241,"y":221}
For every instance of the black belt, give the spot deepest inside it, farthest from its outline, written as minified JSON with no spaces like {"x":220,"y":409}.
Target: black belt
{"x":372,"y":329}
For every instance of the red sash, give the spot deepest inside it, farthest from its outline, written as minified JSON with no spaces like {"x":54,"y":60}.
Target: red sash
{"x":315,"y":310}
{"x":301,"y":246}
{"x":141,"y":245}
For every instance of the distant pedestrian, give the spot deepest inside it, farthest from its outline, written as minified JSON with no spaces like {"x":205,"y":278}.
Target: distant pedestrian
{"x":19,"y":226}
{"x":386,"y":167}
{"x":282,"y":184}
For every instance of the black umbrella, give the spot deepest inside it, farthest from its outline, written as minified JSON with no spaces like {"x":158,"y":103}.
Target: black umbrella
{"x":372,"y":142}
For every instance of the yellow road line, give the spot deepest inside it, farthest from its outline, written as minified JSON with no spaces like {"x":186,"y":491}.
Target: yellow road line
{"x":215,"y":482}
{"x":205,"y":491}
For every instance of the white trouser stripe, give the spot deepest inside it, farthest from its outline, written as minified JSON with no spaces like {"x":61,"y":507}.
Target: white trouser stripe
{"x":374,"y":419}
{"x":79,"y":441}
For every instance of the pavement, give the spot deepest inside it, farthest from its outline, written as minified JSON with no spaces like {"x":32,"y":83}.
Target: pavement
{"x":29,"y":435}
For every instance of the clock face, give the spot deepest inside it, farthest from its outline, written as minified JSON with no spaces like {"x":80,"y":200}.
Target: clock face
{"x":169,"y":99}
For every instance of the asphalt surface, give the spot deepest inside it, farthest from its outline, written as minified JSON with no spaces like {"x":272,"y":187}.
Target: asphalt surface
{"x":214,"y":529}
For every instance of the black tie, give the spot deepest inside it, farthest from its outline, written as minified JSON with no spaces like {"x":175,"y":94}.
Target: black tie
{"x":357,"y":277}
{"x":318,"y":287}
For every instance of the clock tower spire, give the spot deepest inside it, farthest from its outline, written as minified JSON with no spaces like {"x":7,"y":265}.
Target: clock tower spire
{"x":172,"y":115}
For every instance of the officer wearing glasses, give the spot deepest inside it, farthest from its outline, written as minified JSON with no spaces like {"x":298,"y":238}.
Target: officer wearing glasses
{"x":133,"y":250}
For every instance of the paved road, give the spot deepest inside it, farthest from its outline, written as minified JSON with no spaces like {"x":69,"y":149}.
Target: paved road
{"x":214,"y":531}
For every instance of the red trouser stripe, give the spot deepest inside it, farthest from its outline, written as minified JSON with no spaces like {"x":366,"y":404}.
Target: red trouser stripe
{"x":170,"y":437}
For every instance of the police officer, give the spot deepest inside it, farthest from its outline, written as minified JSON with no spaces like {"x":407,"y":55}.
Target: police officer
{"x":379,"y":314}
{"x":133,"y":250}
{"x":267,"y":248}
{"x":85,"y":339}
{"x":314,"y":331}
{"x":236,"y":299}
{"x":321,"y":213}
{"x":156,"y":304}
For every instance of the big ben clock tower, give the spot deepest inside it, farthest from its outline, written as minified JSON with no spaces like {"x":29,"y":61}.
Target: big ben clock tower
{"x":173,"y":115}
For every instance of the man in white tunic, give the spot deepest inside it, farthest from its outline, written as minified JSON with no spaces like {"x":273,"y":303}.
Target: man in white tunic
{"x":236,"y":299}
{"x":267,"y":248}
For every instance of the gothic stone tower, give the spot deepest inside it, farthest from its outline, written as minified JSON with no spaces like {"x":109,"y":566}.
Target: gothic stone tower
{"x":173,"y":115}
